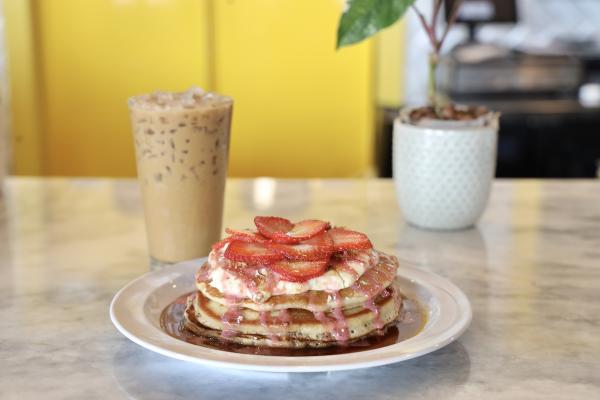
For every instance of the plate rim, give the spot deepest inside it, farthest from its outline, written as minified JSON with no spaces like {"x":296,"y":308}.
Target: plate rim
{"x":324,"y":363}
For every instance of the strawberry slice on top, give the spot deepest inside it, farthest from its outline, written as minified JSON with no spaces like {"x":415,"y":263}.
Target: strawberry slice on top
{"x":220,"y":244}
{"x":319,"y":247}
{"x":299,"y":271}
{"x":282,"y":230}
{"x":252,"y":253}
{"x":273,"y":226}
{"x":246,"y":235}
{"x":345,"y":239}
{"x":307,"y":229}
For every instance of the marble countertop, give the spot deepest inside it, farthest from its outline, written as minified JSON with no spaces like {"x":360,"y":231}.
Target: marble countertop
{"x":531,"y":269}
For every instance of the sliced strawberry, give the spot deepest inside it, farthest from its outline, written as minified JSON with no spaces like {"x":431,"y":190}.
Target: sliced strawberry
{"x":306,"y":229}
{"x":220,"y":244}
{"x":299,"y":271}
{"x":252,"y":253}
{"x":322,"y":240}
{"x":282,"y":230}
{"x":316,"y":248}
{"x":246,"y":235}
{"x":344,"y":239}
{"x":272,"y":226}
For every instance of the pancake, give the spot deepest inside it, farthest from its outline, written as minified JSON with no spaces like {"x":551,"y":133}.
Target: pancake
{"x":264,"y":341}
{"x":370,"y":284}
{"x":292,"y":327}
{"x":294,"y":285}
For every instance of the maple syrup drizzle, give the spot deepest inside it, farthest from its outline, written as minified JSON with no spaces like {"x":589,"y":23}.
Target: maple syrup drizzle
{"x":343,"y":266}
{"x":372,"y":284}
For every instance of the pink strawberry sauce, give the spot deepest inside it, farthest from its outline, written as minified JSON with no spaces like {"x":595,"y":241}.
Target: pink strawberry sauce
{"x":377,"y":322}
{"x":232,"y":317}
{"x":268,"y":325}
{"x":284,"y":317}
{"x":340,"y":331}
{"x":276,"y":326}
{"x":336,"y":326}
{"x":203,"y":273}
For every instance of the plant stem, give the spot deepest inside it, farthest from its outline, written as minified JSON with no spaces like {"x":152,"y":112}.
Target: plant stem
{"x":436,"y":44}
{"x":437,"y":5}
{"x":426,"y":27}
{"x":434,"y":59}
{"x":451,"y":21}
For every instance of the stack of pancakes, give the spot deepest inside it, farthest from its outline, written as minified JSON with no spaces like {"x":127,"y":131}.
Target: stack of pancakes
{"x":355,"y":297}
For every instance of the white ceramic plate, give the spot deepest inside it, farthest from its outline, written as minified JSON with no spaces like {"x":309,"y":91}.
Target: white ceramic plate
{"x":135,"y":311}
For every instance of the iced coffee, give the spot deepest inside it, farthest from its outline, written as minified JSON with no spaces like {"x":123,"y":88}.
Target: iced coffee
{"x":181,"y":145}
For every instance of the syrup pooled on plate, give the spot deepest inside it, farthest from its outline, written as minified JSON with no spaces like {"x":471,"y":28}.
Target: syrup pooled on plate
{"x":411,"y":322}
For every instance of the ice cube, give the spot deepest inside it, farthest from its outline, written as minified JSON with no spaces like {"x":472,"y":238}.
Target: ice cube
{"x":192,"y":96}
{"x":163,"y":98}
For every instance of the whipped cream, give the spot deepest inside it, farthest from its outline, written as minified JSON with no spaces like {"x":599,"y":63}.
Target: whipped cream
{"x":342,"y":274}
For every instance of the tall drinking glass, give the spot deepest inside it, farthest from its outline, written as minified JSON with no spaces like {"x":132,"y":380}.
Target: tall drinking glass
{"x":181,"y":145}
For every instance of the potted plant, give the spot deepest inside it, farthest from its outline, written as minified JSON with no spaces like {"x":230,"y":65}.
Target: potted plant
{"x":444,"y":155}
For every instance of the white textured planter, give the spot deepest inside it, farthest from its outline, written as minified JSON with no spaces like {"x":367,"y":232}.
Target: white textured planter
{"x":443,"y":177}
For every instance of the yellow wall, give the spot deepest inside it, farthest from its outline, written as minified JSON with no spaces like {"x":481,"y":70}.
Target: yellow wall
{"x":94,"y":55}
{"x":26,"y":138}
{"x":389,"y":73}
{"x":301,"y":105}
{"x":301,"y":108}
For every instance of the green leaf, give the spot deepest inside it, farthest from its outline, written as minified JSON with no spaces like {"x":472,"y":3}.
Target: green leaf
{"x":364,"y":18}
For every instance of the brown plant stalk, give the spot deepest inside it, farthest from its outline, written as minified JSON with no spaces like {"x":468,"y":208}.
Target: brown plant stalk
{"x":436,"y":44}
